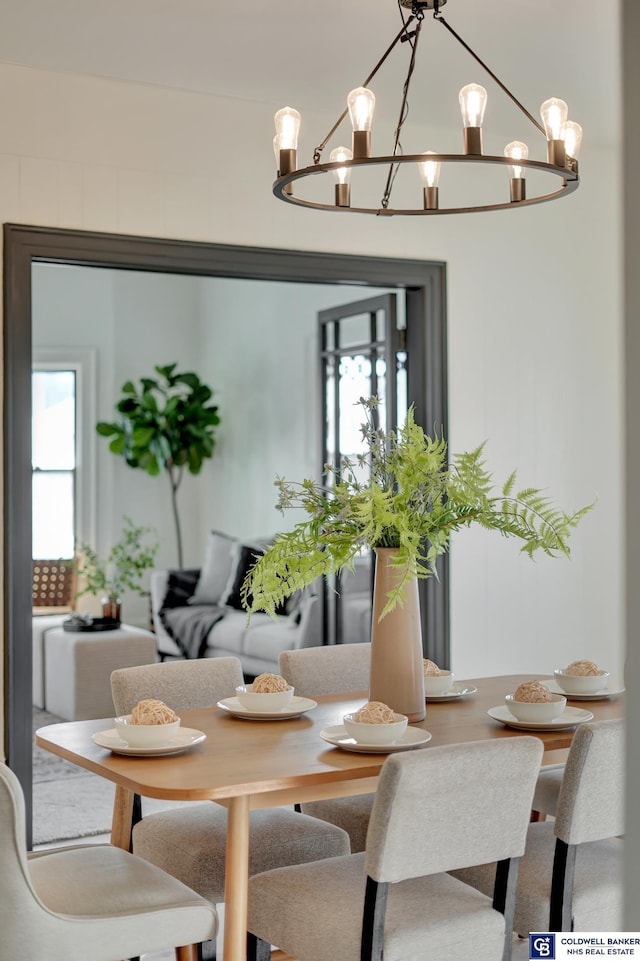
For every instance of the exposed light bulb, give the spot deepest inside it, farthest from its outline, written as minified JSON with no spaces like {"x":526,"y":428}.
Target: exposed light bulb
{"x":287,"y":121}
{"x":430,"y":170}
{"x":554,"y":113}
{"x":572,"y":136}
{"x":285,"y":142}
{"x":516,"y":150}
{"x":342,"y":174}
{"x":361,"y":103}
{"x":430,"y":173}
{"x":473,"y":101}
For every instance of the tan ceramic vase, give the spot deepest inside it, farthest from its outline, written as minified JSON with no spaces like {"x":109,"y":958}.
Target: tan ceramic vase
{"x":397,"y":676}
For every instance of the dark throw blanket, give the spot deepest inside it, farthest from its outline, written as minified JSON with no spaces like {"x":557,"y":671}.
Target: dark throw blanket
{"x":189,"y":626}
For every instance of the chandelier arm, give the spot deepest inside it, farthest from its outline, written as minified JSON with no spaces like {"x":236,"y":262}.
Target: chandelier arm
{"x":402,"y":116}
{"x":318,"y":151}
{"x":440,"y":19}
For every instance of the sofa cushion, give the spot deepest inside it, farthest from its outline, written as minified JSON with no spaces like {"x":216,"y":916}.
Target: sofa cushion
{"x":215,"y":569}
{"x":180,"y":586}
{"x":266,"y":639}
{"x":242,"y":560}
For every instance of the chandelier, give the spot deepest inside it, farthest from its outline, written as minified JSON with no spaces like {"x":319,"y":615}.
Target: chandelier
{"x":554,"y":177}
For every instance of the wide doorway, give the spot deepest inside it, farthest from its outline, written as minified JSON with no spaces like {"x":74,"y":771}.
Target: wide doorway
{"x":422,"y":285}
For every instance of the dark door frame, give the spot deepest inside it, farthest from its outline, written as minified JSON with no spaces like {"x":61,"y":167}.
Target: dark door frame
{"x":425,"y":286}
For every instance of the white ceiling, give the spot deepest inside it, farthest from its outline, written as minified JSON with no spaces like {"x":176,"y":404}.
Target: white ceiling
{"x":310,"y":54}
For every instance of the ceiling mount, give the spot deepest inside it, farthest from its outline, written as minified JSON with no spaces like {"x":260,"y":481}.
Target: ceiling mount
{"x":562,"y":138}
{"x":422,"y":4}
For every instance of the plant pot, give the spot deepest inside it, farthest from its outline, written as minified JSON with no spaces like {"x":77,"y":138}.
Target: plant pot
{"x":397,"y":676}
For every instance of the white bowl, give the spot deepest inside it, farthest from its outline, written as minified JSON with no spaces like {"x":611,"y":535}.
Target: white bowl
{"x":581,"y":683}
{"x":435,"y":684}
{"x":145,"y":735}
{"x":375,"y":734}
{"x":263,"y":702}
{"x":538,"y":712}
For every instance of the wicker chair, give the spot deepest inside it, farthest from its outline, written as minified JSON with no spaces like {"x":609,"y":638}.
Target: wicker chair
{"x":53,"y":586}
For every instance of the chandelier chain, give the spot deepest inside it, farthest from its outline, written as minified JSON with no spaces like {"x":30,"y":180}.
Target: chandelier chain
{"x":404,"y":110}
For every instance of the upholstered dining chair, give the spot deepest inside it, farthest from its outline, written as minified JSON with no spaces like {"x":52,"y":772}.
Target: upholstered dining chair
{"x":570,"y":876}
{"x":434,"y":809}
{"x":547,"y":792}
{"x":89,"y":901}
{"x":333,"y":669}
{"x":189,"y":841}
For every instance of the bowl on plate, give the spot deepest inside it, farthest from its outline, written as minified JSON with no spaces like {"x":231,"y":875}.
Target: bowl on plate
{"x":272,"y":701}
{"x":436,"y":684}
{"x":581,"y":683}
{"x":375,"y":734}
{"x":536,"y":712}
{"x":145,"y":735}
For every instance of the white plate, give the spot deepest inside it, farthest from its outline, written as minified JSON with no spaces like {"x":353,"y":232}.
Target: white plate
{"x":569,"y":718}
{"x":298,"y":706}
{"x":337,"y":735}
{"x":457,"y":690}
{"x":596,"y":696}
{"x":188,"y":737}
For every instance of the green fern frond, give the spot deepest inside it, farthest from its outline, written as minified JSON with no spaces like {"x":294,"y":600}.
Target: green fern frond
{"x":412,"y":500}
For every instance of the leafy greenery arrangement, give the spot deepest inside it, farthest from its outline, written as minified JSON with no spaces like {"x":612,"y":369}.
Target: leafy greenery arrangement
{"x":410,"y":499}
{"x":123,"y":567}
{"x":166,"y":425}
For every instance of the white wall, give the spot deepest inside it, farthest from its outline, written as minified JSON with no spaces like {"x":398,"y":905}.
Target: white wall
{"x":534,"y":307}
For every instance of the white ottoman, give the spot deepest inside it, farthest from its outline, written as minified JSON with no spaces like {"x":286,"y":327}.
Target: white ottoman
{"x":41,"y":624}
{"x":78,"y":668}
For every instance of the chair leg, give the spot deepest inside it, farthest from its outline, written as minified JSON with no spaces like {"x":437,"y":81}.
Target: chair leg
{"x":561,"y":903}
{"x":375,"y":908}
{"x":188,"y":952}
{"x":257,"y":949}
{"x":504,"y":898}
{"x":136,"y":816}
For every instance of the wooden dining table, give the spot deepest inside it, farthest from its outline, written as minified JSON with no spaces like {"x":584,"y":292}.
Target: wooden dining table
{"x":246,"y":764}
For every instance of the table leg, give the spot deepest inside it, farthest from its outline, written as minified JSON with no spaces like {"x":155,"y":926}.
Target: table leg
{"x":122,"y":818}
{"x":236,"y":880}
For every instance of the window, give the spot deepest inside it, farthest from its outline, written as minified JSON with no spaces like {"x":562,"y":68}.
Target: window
{"x":63,"y":451}
{"x":54,"y":462}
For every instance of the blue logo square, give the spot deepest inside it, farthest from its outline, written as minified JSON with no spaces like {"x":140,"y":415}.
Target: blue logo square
{"x":542,"y":946}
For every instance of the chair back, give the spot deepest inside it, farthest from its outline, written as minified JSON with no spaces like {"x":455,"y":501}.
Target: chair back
{"x":183,"y":685}
{"x":334,"y":669}
{"x":451,"y":807}
{"x":17,"y":898}
{"x":591,"y":799}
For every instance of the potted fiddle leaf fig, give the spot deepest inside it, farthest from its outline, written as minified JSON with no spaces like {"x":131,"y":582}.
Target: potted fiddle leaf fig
{"x":402,"y":498}
{"x":166,"y":425}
